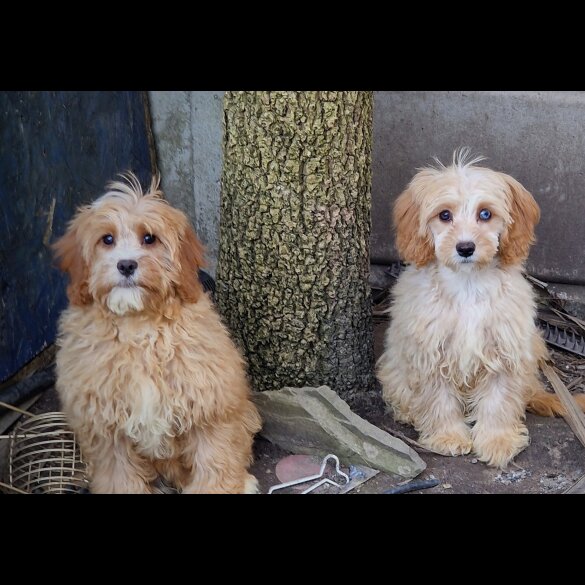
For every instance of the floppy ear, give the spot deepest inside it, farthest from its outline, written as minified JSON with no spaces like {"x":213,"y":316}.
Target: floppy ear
{"x":68,"y":252}
{"x":191,"y":258}
{"x":412,"y":247}
{"x":516,"y":240}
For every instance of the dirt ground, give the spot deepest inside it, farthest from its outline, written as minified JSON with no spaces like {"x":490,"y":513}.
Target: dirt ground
{"x":553,"y":461}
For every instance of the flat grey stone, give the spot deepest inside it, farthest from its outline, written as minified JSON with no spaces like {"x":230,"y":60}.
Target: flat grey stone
{"x":317,"y":421}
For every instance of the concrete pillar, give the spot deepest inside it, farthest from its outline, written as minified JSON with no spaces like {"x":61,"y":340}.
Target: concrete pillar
{"x":188,"y":127}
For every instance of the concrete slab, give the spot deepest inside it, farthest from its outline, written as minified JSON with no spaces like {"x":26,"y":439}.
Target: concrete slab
{"x":317,"y":421}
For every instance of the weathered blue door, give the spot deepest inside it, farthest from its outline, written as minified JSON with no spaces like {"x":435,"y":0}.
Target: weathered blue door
{"x":57,"y":150}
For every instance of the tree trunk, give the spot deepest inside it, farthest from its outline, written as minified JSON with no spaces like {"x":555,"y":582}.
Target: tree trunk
{"x":292,"y":279}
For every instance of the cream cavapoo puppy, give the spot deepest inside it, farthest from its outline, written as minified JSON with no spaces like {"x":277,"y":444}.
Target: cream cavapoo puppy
{"x":147,"y":374}
{"x":462,"y":350}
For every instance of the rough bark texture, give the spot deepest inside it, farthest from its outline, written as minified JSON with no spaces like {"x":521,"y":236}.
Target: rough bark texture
{"x":292,"y":279}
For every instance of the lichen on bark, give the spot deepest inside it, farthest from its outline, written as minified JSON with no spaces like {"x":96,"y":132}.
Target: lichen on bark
{"x":292,"y":278}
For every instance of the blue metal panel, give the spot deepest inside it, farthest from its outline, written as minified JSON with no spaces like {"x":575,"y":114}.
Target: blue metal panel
{"x":57,"y":150}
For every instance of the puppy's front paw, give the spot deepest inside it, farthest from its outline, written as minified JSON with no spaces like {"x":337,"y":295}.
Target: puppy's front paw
{"x":251,"y":485}
{"x":455,"y":441}
{"x":498,"y":448}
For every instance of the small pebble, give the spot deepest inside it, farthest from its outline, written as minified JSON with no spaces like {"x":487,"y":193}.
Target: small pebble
{"x":508,"y":477}
{"x":474,"y":460}
{"x":268,"y":471}
{"x":447,"y":486}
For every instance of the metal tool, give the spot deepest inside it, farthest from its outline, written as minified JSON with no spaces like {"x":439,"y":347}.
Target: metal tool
{"x":325,"y":480}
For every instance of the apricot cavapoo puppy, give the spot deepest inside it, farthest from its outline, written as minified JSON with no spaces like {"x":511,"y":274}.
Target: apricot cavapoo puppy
{"x":462,"y":350}
{"x":147,"y":374}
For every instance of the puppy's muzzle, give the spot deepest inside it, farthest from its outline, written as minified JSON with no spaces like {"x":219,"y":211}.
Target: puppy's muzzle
{"x":127,"y":267}
{"x":465,"y":249}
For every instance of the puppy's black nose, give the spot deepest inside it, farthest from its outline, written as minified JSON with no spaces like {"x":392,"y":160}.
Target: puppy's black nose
{"x":127,"y":267}
{"x":465,"y":249}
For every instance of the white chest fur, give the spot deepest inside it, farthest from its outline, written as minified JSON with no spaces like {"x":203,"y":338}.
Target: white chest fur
{"x":152,"y":418}
{"x":150,"y":423}
{"x":461,"y":321}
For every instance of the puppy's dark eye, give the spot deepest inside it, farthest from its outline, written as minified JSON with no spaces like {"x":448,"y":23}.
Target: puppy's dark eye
{"x":149,"y":239}
{"x":485,"y":214}
{"x":445,"y":215}
{"x":108,"y":239}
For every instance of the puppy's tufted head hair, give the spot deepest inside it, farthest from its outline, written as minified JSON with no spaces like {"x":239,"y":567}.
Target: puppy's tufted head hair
{"x":464,"y":214}
{"x":130,"y":251}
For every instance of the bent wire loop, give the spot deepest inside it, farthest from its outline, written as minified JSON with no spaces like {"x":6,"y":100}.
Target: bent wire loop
{"x":325,"y":480}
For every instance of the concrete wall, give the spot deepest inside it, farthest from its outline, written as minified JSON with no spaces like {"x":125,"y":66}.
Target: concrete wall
{"x":188,"y":127}
{"x":538,"y":137}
